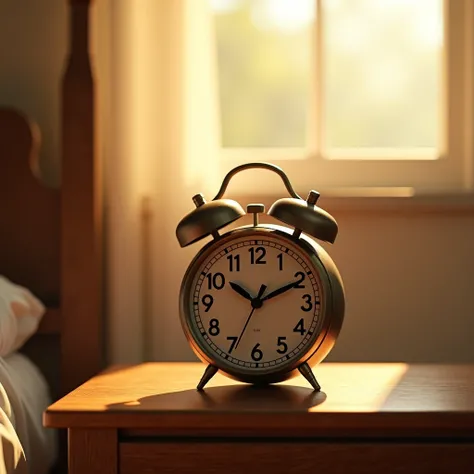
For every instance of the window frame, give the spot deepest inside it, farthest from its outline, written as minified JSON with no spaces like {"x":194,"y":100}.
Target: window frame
{"x":413,"y":172}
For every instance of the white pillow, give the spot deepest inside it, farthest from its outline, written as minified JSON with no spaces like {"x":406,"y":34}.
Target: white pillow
{"x":20,"y":315}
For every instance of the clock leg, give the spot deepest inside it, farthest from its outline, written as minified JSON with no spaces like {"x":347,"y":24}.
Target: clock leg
{"x":307,"y":373}
{"x":208,"y":374}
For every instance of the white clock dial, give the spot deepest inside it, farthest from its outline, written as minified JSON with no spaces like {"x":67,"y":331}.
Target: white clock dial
{"x":255,"y":302}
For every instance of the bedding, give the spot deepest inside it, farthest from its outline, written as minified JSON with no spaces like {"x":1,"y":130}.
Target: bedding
{"x":20,"y":315}
{"x":25,"y":446}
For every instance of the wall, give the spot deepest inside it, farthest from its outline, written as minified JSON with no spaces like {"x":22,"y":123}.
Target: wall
{"x":32,"y":51}
{"x":409,"y":275}
{"x":409,"y":281}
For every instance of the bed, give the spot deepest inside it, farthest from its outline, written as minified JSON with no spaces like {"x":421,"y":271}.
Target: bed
{"x":51,"y":248}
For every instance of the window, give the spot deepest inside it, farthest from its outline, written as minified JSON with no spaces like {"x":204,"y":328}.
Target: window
{"x":369,"y":93}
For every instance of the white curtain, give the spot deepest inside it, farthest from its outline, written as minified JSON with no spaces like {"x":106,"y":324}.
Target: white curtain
{"x":162,"y":149}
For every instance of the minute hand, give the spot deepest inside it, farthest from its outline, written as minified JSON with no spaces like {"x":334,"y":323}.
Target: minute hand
{"x":281,"y":290}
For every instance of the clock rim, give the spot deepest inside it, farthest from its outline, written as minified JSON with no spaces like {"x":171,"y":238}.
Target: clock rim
{"x":332,"y":310}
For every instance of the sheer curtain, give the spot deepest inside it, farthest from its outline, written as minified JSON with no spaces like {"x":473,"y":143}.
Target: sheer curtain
{"x":162,"y":149}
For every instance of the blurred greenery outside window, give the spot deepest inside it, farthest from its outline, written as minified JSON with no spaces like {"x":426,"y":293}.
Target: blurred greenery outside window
{"x":334,"y":80}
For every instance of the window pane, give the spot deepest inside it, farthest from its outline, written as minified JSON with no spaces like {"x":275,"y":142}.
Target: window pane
{"x":382,"y":82}
{"x":264,"y":58}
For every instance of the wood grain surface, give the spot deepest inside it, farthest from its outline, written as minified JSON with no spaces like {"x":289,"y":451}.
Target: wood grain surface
{"x":51,"y":322}
{"x":29,"y":212}
{"x":294,"y":458}
{"x":96,"y":449}
{"x":390,"y":400}
{"x":81,"y":211}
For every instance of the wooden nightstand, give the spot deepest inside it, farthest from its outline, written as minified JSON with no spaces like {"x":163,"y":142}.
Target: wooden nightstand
{"x":381,"y":418}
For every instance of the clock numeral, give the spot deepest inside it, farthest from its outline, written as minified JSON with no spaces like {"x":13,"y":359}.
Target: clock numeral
{"x":300,"y":327}
{"x":282,"y":345}
{"x":234,"y":263}
{"x":280,"y":261}
{"x":257,"y":255}
{"x":233,"y":343}
{"x":214,"y":329}
{"x":216,"y":280}
{"x":301,"y":277}
{"x":308,"y":306}
{"x":256,"y":354}
{"x":207,"y":301}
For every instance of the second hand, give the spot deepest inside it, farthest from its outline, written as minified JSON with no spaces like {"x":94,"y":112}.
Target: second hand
{"x":256,"y":303}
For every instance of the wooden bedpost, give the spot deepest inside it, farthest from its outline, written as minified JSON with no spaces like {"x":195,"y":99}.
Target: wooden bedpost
{"x":81,"y":211}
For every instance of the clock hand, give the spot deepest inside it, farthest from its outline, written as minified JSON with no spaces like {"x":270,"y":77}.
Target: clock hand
{"x":240,"y":290}
{"x":256,"y":303}
{"x":280,"y":290}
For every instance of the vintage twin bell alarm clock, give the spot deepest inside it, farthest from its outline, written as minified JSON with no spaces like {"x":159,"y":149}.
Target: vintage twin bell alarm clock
{"x":261,"y":302}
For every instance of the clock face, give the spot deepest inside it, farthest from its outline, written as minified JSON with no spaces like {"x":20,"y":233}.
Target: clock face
{"x":255,"y":302}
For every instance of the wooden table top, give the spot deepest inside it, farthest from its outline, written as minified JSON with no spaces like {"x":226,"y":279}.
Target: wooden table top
{"x":356,"y":399}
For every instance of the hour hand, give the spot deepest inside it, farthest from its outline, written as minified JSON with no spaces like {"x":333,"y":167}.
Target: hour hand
{"x":280,"y":290}
{"x":241,"y":291}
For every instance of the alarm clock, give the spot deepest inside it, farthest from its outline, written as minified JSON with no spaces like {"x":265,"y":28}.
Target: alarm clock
{"x":261,"y":302}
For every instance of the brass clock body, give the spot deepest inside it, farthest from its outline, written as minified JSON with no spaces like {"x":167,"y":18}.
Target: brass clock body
{"x":261,"y":302}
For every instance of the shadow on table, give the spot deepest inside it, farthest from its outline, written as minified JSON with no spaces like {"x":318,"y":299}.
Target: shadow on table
{"x":244,"y":398}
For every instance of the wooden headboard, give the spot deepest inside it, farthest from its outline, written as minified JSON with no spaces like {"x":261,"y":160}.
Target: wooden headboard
{"x":51,"y":240}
